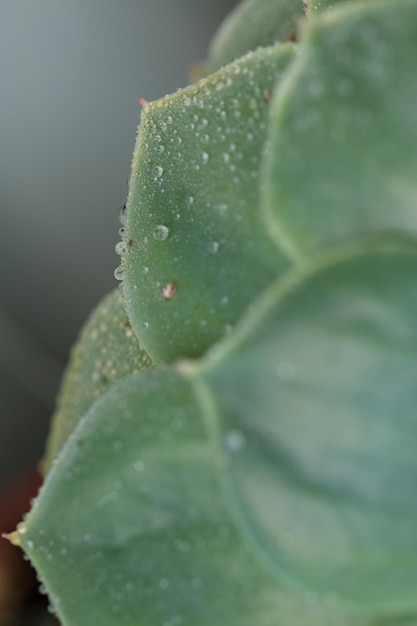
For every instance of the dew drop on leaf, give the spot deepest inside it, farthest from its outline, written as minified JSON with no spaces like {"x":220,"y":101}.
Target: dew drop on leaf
{"x":234,"y":440}
{"x":121,"y":248}
{"x":123,"y":214}
{"x":160,"y":232}
{"x":286,"y":370}
{"x":119,"y":273}
{"x":139,"y":465}
{"x":157,"y":171}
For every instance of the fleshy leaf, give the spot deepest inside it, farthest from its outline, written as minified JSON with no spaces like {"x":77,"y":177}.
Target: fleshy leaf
{"x":130,"y":528}
{"x":343,"y":155}
{"x":197,"y":252}
{"x":318,"y":6}
{"x":253,"y":24}
{"x":317,"y":393}
{"x":106,"y":351}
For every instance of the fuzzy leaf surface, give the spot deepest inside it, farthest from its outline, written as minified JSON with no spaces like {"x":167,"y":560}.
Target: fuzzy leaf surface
{"x":253,"y":24}
{"x":197,"y":250}
{"x":106,"y":351}
{"x":346,"y":121}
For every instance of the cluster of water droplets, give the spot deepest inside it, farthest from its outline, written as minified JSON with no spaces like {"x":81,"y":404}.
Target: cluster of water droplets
{"x":121,"y":247}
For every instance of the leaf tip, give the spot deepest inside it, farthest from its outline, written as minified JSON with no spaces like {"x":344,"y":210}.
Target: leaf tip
{"x":14,"y":538}
{"x":144,"y":104}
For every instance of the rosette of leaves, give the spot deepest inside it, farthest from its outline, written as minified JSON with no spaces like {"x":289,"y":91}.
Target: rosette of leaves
{"x":239,"y":446}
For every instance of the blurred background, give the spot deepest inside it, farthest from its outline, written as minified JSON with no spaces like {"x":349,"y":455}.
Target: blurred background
{"x":70,"y":75}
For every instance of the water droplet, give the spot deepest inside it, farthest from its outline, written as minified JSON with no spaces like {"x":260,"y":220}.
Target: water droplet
{"x":87,"y":537}
{"x":51,"y":609}
{"x":119,"y":273}
{"x":157,"y":171}
{"x":138,"y":466}
{"x":123,"y":214}
{"x":196,"y":582}
{"x":163,"y":583}
{"x":234,"y":440}
{"x":214,"y":247}
{"x":121,"y":248}
{"x":160,"y":232}
{"x":145,"y":269}
{"x":204,"y":157}
{"x":190,"y":200}
{"x":286,"y":370}
{"x":122,"y":231}
{"x":168,"y":291}
{"x":224,"y":300}
{"x":226,"y":157}
{"x":30,"y":545}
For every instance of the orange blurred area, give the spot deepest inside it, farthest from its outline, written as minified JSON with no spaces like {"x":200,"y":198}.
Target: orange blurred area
{"x":18,"y":583}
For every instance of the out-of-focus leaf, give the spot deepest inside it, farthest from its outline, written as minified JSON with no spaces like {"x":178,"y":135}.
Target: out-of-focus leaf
{"x":318,"y":6}
{"x":197,"y":252}
{"x":252,"y":24}
{"x":106,"y":351}
{"x":317,"y":396}
{"x":343,"y":155}
{"x":130,"y":528}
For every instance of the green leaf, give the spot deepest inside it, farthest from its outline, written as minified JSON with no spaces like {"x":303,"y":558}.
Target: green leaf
{"x":197,"y":250}
{"x":106,"y":351}
{"x":344,"y":123}
{"x":253,"y":24}
{"x":130,"y":528}
{"x":318,"y":6}
{"x":316,"y":394}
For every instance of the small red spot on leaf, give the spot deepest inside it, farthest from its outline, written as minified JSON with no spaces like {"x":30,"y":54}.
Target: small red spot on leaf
{"x":143,"y":103}
{"x":169,"y":291}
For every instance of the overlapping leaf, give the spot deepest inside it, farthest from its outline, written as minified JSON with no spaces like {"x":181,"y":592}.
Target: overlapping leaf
{"x":197,"y":252}
{"x":130,"y":528}
{"x":343,"y":151}
{"x":253,"y":24}
{"x":273,"y":482}
{"x":106,"y":351}
{"x":317,"y":396}
{"x":306,"y":417}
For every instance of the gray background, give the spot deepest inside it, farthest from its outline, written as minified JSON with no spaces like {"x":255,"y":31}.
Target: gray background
{"x":70,"y":75}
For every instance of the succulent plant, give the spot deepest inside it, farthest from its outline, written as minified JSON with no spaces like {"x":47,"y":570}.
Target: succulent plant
{"x":236,"y":437}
